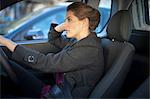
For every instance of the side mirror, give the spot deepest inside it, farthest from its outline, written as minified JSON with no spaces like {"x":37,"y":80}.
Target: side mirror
{"x":34,"y":34}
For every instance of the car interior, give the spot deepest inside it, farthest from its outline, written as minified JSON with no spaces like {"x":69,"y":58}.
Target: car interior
{"x":126,"y":53}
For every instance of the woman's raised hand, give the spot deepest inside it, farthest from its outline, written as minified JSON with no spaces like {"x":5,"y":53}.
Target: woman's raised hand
{"x":60,"y":27}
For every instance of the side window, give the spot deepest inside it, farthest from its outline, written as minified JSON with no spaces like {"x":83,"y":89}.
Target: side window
{"x":30,"y":20}
{"x":39,"y":29}
{"x":140,"y":15}
{"x":104,"y":8}
{"x":44,"y":25}
{"x":29,"y":29}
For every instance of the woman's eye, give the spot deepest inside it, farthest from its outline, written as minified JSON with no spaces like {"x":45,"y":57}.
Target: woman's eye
{"x":69,"y":20}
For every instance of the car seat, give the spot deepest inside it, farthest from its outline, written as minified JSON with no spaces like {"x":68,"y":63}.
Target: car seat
{"x":142,"y":91}
{"x":118,"y":54}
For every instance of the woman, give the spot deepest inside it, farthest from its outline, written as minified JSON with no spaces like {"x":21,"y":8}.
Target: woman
{"x":80,"y":58}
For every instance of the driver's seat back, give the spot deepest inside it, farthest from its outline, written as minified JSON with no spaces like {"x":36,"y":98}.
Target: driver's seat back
{"x":118,"y":54}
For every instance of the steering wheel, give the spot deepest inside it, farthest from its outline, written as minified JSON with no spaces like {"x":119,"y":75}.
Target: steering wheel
{"x":6,"y":65}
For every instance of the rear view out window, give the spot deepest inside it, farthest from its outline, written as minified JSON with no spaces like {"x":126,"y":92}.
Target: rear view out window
{"x":105,"y":9}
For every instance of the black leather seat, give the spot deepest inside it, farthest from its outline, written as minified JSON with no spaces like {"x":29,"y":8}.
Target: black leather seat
{"x":118,"y":54}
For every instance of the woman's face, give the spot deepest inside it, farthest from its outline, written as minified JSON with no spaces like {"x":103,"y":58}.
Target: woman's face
{"x":73,"y":25}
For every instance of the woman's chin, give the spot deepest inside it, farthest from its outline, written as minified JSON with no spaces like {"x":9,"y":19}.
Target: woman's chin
{"x":68,"y":36}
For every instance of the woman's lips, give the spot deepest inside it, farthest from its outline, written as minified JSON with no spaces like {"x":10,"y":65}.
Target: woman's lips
{"x":67,"y":30}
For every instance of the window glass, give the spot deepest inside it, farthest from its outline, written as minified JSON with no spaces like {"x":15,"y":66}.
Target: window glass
{"x":17,"y":11}
{"x":39,"y":29}
{"x":140,"y":15}
{"x":34,"y":23}
{"x":147,"y":11}
{"x":104,"y":8}
{"x":31,"y":21}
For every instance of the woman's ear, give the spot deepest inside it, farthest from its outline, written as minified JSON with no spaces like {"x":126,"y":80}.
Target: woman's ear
{"x":86,"y":22}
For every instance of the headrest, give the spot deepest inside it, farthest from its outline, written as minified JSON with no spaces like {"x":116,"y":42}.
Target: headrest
{"x":119,"y":26}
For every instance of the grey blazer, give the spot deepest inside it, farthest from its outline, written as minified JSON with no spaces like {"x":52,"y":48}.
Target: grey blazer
{"x":81,"y":61}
